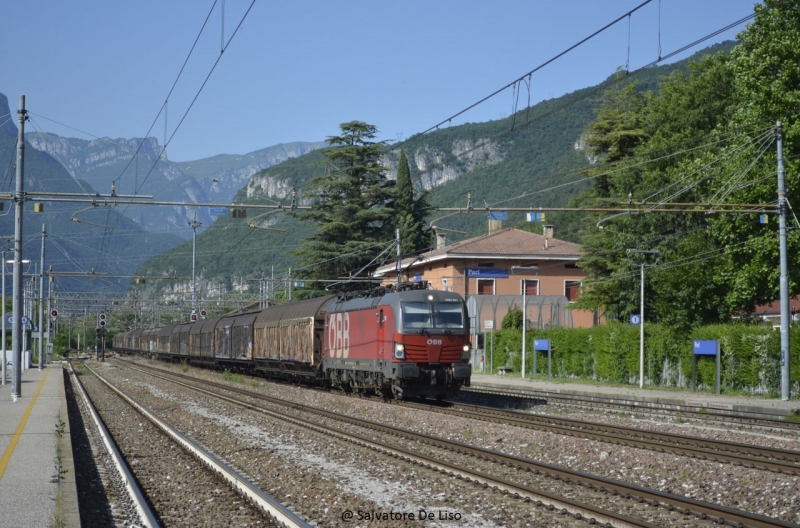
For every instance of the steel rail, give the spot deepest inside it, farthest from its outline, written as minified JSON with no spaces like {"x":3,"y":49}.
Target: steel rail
{"x":685,"y":504}
{"x":708,"y":412}
{"x":146,"y":515}
{"x":267,"y":503}
{"x":768,"y":458}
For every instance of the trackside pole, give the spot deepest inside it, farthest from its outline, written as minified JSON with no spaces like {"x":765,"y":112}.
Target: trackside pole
{"x":19,"y":199}
{"x":784,"y":280}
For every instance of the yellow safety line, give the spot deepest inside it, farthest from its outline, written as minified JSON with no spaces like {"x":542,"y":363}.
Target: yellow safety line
{"x":18,"y":432}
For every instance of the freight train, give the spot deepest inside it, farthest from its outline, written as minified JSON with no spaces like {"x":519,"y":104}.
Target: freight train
{"x":401,"y":343}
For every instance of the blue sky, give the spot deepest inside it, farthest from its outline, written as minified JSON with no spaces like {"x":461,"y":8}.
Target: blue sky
{"x":296,"y":70}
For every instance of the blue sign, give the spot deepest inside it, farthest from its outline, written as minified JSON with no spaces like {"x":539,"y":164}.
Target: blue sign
{"x":535,"y":217}
{"x":487,"y":273}
{"x":418,"y":277}
{"x":636,"y":319}
{"x":541,"y":344}
{"x":763,"y":219}
{"x":218,"y":211}
{"x":704,"y":348}
{"x":498,"y":216}
{"x":10,"y":319}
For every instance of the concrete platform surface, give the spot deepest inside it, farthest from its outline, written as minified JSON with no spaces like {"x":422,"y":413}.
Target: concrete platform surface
{"x":682,"y":398}
{"x":34,"y":489}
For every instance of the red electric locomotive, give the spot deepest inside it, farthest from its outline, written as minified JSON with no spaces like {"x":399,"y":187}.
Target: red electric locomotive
{"x":404,"y":343}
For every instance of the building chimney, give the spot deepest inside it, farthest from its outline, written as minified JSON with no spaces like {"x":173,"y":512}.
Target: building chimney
{"x":495,"y":225}
{"x":547,"y":231}
{"x":441,"y":240}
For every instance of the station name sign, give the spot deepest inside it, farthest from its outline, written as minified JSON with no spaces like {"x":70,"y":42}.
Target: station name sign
{"x":487,"y":273}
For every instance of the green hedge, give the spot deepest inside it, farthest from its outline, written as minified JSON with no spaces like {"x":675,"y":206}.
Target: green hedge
{"x":750,"y":355}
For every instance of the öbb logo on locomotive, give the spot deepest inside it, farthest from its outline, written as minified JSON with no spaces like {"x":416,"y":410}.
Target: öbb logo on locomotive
{"x":339,"y":335}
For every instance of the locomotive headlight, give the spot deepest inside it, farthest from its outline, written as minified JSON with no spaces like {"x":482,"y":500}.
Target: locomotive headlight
{"x":465,"y":352}
{"x":399,"y":351}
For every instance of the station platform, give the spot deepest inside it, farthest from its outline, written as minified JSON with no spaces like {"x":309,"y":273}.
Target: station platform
{"x":667,"y":398}
{"x":37,"y":474}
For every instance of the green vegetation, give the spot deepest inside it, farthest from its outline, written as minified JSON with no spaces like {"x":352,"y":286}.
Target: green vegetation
{"x":57,"y":521}
{"x":750,"y":355}
{"x":227,"y":375}
{"x":705,"y":137}
{"x":352,"y":210}
{"x":410,"y":212}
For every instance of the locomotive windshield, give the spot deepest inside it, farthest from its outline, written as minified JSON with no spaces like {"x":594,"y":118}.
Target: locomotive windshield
{"x":444,"y":315}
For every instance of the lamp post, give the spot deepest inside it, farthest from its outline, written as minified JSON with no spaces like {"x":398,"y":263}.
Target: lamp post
{"x":641,"y":311}
{"x":524,"y":311}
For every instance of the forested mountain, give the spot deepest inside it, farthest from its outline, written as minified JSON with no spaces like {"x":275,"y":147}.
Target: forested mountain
{"x":530,"y":159}
{"x":104,"y":240}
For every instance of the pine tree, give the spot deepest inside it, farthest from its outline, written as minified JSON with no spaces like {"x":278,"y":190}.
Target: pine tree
{"x":410,"y":213}
{"x":350,"y":209}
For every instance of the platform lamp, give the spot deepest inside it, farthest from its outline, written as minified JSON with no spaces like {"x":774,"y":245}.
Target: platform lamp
{"x":525,"y":312}
{"x":641,"y":308}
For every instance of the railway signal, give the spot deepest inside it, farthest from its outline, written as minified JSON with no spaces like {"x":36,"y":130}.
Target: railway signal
{"x":194,"y":316}
{"x":101,"y":320}
{"x":54,"y":313}
{"x":203,"y":314}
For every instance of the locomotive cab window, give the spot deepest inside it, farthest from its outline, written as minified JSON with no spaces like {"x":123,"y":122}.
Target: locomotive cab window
{"x":419,"y":315}
{"x":449,"y":315}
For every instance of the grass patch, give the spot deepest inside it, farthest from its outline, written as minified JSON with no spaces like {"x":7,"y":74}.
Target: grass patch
{"x":57,"y":521}
{"x":624,"y":415}
{"x":227,"y":375}
{"x":184,"y":365}
{"x":793,"y":417}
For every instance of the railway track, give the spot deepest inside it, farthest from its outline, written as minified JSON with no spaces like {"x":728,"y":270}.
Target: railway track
{"x":602,"y":500}
{"x":767,"y":458}
{"x":670,"y":410}
{"x":123,"y":478}
{"x":204,"y":472}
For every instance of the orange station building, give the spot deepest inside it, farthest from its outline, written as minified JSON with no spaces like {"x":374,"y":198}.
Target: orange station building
{"x":492,"y":272}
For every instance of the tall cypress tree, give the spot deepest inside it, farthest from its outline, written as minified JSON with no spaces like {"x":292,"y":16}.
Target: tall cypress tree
{"x":350,"y":209}
{"x":410,"y":213}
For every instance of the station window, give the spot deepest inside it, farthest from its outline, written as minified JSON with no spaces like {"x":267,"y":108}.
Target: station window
{"x":572,"y":290}
{"x":530,"y":286}
{"x":485,"y":286}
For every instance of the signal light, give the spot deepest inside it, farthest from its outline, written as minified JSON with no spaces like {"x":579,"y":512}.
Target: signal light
{"x":102,"y":319}
{"x":194,"y":317}
{"x":203,"y":313}
{"x":54,"y":313}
